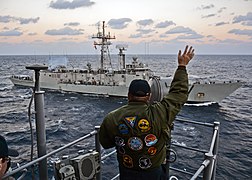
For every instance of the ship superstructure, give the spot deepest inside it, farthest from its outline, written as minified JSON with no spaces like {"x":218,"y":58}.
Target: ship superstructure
{"x":109,"y":81}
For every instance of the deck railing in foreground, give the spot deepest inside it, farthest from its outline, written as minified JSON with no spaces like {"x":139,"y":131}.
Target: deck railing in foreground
{"x":207,"y":167}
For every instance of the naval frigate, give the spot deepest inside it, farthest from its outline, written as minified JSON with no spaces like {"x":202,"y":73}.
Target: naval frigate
{"x":107,"y":81}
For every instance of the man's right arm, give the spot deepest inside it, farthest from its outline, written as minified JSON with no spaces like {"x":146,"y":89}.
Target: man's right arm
{"x":105,"y":134}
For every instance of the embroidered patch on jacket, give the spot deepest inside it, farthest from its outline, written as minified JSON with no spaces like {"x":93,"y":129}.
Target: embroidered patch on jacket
{"x":121,"y":150}
{"x":127,"y":161}
{"x":119,"y":141}
{"x":144,"y":125}
{"x":135,"y":143}
{"x":152,"y":151}
{"x":123,"y":129}
{"x":144,"y":163}
{"x":130,"y":120}
{"x":150,"y":140}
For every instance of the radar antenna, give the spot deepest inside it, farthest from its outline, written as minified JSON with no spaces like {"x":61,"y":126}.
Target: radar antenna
{"x":104,"y":43}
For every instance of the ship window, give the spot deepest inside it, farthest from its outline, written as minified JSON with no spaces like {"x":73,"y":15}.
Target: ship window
{"x":200,"y":94}
{"x":166,"y":85}
{"x":50,"y":75}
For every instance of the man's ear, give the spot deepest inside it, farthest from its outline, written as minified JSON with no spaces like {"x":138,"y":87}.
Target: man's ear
{"x":1,"y":165}
{"x":149,"y":96}
{"x":130,"y":96}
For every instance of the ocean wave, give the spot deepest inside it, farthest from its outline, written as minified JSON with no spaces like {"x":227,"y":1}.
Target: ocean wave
{"x":71,"y":115}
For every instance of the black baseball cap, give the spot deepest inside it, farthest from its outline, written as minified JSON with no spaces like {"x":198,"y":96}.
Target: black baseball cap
{"x":139,"y":87}
{"x":5,"y":151}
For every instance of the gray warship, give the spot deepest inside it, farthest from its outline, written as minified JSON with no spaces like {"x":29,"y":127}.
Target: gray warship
{"x":108,"y":81}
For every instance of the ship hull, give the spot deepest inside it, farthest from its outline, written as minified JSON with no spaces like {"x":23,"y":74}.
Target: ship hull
{"x":212,"y":92}
{"x":198,"y":93}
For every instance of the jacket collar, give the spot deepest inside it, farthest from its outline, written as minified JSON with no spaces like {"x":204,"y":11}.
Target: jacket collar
{"x":137,"y":103}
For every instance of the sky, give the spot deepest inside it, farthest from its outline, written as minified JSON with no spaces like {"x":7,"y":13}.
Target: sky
{"x":34,"y":27}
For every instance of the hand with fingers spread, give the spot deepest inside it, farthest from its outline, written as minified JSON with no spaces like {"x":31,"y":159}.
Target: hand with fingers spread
{"x":184,"y":59}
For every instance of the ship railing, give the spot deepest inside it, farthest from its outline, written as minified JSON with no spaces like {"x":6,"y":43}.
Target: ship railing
{"x":23,"y":169}
{"x":208,"y":166}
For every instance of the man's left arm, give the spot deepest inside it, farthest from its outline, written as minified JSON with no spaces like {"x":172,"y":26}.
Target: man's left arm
{"x":178,"y":92}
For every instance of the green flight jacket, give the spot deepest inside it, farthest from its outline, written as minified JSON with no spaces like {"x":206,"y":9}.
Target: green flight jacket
{"x":140,"y":131}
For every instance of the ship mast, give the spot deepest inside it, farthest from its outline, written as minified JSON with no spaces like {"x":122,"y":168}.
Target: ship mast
{"x":104,"y":43}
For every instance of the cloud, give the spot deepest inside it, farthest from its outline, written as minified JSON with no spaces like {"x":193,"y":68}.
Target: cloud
{"x":164,"y":24}
{"x":11,"y":33}
{"x":135,"y":36}
{"x":180,"y":29}
{"x":221,"y":9}
{"x":221,"y":23}
{"x":204,"y":7}
{"x":145,"y":22}
{"x":64,"y":31}
{"x":208,"y":16}
{"x":32,"y":34}
{"x":119,"y":23}
{"x":72,"y":24}
{"x":66,"y":39}
{"x":163,"y":35}
{"x":7,"y":19}
{"x":207,"y":6}
{"x":188,"y":33}
{"x":17,"y":28}
{"x":209,"y":36}
{"x":29,"y":20}
{"x":249,"y":23}
{"x":245,"y":20}
{"x":145,"y":31}
{"x":142,"y":33}
{"x":247,"y":32}
{"x":63,"y":4}
{"x":191,"y":36}
{"x":231,"y":41}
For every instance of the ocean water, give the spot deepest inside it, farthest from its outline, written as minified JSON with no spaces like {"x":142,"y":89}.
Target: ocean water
{"x":70,"y":115}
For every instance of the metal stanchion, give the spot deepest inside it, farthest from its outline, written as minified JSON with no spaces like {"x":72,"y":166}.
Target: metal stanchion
{"x":40,"y":121}
{"x":216,"y":147}
{"x":98,"y":149}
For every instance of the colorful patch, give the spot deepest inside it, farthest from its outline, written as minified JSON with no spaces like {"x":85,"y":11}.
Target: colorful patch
{"x":144,"y":163}
{"x":127,"y":161}
{"x":123,"y":129}
{"x":130,"y":120}
{"x":135,"y":143}
{"x":121,"y":150}
{"x":119,"y":141}
{"x":144,"y":125}
{"x":150,"y":140}
{"x":152,"y":151}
